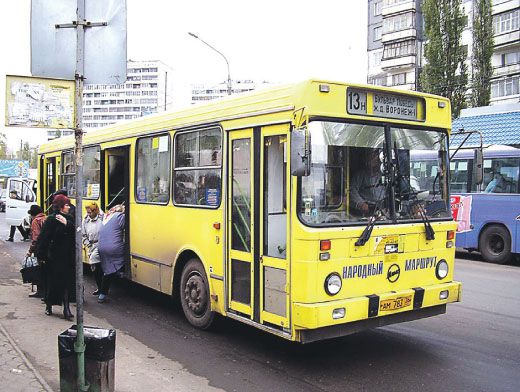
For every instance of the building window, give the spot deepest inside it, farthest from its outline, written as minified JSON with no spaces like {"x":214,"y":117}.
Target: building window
{"x":510,"y":58}
{"x":398,"y":49}
{"x":399,"y":79}
{"x":378,"y":5}
{"x":506,"y":22}
{"x":378,"y":32}
{"x":153,"y":170}
{"x":377,"y":81}
{"x":198,"y":160}
{"x":398,"y":22}
{"x":505,"y":87}
{"x":376,"y":58}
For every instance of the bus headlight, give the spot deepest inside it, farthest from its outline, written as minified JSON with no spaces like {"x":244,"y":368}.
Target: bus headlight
{"x":333,"y":284}
{"x":441,"y":271}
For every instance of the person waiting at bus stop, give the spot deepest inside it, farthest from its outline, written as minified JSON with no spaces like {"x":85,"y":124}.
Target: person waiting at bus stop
{"x":91,"y":225}
{"x":111,"y":248}
{"x":38,"y":218}
{"x":366,"y":188}
{"x":55,"y":248}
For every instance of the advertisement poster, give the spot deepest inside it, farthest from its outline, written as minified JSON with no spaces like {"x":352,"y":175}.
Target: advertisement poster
{"x":461,"y":212}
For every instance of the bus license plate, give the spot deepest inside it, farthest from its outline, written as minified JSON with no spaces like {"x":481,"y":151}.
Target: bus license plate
{"x":395,"y":303}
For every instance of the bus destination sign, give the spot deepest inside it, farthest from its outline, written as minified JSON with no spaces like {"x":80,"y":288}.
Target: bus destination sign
{"x":382,"y":104}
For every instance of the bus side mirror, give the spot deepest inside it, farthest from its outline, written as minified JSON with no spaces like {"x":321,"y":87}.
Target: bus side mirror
{"x":300,"y":152}
{"x":478,"y":166}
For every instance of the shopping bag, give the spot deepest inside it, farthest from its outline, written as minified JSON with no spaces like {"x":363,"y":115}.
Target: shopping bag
{"x":31,"y":270}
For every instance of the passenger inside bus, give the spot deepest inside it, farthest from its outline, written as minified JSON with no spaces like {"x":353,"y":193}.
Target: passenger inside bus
{"x":366,"y":188}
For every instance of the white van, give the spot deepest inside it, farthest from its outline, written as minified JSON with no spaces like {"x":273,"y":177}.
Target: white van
{"x":20,"y":197}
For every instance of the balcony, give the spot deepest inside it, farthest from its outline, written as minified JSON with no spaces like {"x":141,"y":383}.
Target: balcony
{"x":506,"y":39}
{"x":506,"y":70}
{"x":398,"y":62}
{"x":398,"y":8}
{"x":399,"y":35}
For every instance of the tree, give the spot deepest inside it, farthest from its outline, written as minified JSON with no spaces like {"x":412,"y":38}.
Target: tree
{"x":482,"y":53}
{"x":445,"y":72}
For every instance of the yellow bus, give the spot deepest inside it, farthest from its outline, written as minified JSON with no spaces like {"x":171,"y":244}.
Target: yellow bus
{"x":298,"y":210}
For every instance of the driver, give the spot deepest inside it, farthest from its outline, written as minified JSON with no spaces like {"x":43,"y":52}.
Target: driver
{"x":366,"y":186}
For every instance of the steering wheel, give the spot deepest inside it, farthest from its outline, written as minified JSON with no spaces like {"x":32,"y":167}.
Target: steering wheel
{"x":332,"y":218}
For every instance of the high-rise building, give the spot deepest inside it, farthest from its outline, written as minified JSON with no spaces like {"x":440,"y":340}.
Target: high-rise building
{"x":148,"y":89}
{"x":204,"y":92}
{"x":505,"y":84}
{"x":396,"y":45}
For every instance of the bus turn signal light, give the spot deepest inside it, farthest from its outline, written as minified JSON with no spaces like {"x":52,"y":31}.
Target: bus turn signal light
{"x":216,"y":225}
{"x":450,"y":235}
{"x":324,"y":245}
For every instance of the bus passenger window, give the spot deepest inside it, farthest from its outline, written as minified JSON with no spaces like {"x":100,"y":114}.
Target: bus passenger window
{"x":196,"y":178}
{"x":153,"y":164}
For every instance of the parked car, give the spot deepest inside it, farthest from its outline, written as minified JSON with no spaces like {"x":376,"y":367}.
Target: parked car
{"x":3,"y":195}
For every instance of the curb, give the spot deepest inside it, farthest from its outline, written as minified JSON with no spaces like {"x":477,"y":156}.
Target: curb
{"x":25,"y":360}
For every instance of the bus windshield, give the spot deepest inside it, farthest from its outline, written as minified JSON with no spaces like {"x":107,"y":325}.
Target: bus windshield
{"x":353,"y":177}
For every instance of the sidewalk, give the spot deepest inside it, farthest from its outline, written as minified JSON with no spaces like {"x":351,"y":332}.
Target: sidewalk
{"x":15,"y":368}
{"x":29,"y":348}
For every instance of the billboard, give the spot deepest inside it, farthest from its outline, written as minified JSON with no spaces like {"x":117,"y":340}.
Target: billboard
{"x":14,"y":168}
{"x":39,"y":102}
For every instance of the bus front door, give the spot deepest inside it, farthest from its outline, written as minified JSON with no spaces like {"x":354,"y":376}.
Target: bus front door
{"x":257,"y":225}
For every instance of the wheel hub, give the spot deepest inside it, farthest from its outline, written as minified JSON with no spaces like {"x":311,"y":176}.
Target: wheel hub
{"x":195,"y":295}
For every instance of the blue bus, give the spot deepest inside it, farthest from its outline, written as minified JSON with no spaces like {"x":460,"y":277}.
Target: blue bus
{"x":488,"y":214}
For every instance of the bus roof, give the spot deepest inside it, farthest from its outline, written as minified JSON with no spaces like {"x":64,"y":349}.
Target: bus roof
{"x":278,"y":99}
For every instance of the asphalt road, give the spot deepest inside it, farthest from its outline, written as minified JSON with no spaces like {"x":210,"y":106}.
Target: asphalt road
{"x":474,"y":347}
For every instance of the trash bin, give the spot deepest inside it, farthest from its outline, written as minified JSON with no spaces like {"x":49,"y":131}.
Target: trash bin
{"x":100,"y":348}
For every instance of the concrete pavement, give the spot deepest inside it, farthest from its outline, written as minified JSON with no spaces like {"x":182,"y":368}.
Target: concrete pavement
{"x":29,"y":349}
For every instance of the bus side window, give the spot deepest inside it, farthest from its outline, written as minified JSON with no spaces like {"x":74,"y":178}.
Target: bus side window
{"x":153,"y":165}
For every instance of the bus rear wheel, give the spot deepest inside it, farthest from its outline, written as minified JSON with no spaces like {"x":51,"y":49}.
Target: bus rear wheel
{"x":495,"y":244}
{"x":194,"y":295}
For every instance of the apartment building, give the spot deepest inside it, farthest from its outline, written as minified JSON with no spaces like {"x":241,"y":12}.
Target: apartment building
{"x":206,"y":92}
{"x":147,"y":90}
{"x":505,"y":85}
{"x":396,"y":45}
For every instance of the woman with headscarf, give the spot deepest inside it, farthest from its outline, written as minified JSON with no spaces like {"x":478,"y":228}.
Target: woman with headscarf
{"x":91,"y":225}
{"x":55,"y":246}
{"x":111,"y":248}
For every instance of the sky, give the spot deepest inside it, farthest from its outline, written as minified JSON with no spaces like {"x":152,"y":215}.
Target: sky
{"x":278,"y":41}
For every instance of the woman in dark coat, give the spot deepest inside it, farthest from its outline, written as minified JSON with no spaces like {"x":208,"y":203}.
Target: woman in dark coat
{"x":55,"y":246}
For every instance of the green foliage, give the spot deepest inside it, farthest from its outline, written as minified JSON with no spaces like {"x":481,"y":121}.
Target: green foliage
{"x":445,"y":72}
{"x":482,"y":53}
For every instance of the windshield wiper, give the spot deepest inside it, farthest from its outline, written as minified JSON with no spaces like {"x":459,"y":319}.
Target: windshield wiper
{"x":400,"y":179}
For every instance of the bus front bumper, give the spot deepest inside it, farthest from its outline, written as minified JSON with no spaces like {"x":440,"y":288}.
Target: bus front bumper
{"x":317,"y":321}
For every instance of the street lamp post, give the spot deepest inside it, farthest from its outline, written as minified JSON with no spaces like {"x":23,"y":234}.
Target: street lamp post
{"x":227,"y":62}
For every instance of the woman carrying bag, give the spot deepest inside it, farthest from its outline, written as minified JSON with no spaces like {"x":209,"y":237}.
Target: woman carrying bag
{"x":55,"y":246}
{"x":38,"y":218}
{"x":91,"y":225}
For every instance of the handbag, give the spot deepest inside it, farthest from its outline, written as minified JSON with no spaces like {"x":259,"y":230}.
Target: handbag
{"x":31,"y":270}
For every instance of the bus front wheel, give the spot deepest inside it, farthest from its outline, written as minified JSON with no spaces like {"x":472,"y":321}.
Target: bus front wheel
{"x":495,"y":244}
{"x":195,"y":296}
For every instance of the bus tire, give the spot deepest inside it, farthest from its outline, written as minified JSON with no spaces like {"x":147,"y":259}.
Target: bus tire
{"x":495,"y":244}
{"x":195,"y":296}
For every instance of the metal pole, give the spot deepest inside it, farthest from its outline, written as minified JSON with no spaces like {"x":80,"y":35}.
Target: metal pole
{"x":79,"y":346}
{"x":229,"y":88}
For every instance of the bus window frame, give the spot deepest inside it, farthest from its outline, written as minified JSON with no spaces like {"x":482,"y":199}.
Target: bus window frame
{"x":223,"y":150}
{"x":170,"y":174}
{"x":383,"y":222}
